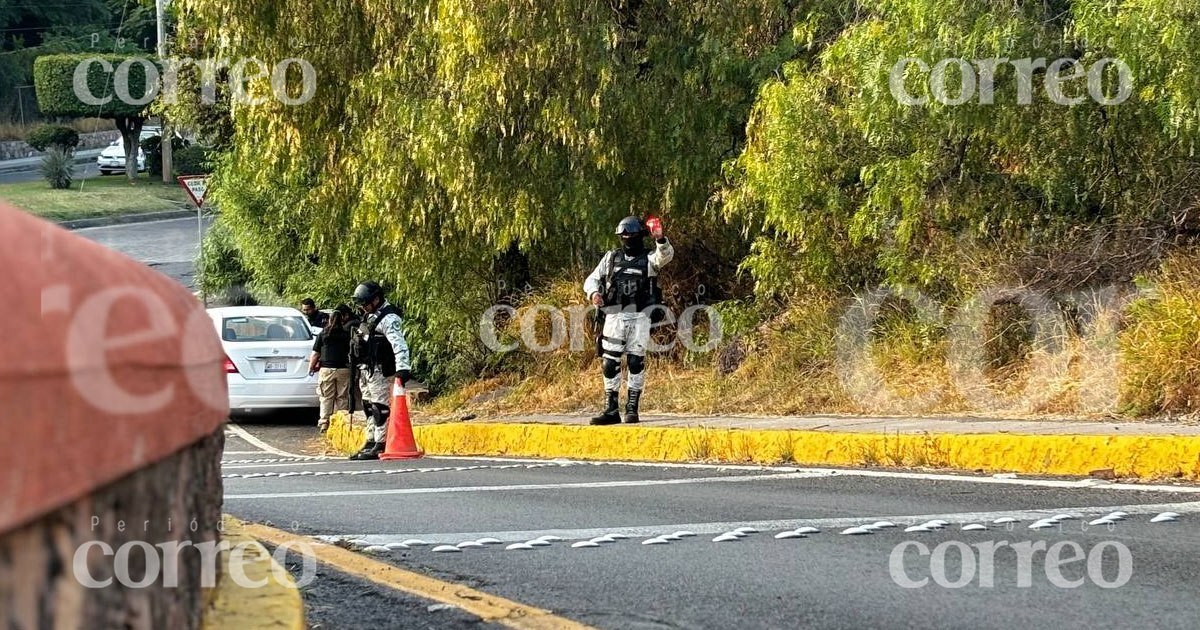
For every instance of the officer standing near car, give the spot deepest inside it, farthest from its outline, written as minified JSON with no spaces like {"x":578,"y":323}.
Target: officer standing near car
{"x":624,"y":287}
{"x":383,"y":356}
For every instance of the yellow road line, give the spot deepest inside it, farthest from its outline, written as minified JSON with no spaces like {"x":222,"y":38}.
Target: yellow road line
{"x":274,"y":604}
{"x":487,"y":607}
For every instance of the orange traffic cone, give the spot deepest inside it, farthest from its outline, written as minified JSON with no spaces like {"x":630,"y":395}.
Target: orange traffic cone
{"x":400,"y":441}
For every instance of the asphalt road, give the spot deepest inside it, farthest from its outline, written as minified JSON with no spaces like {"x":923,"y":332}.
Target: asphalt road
{"x":87,"y":169}
{"x":170,"y":247}
{"x":336,"y":600}
{"x":824,"y":580}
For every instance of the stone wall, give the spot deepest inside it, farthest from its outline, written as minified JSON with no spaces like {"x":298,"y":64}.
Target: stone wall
{"x":39,"y":582}
{"x":18,"y":149}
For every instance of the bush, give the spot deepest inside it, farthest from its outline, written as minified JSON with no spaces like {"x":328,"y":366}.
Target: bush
{"x":1160,"y":347}
{"x":222,"y":272}
{"x":191,"y":160}
{"x":65,"y":139}
{"x":152,"y":146}
{"x":57,"y":168}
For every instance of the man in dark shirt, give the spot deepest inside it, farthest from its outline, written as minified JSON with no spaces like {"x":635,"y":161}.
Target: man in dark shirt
{"x":331,"y":358}
{"x":316,"y":318}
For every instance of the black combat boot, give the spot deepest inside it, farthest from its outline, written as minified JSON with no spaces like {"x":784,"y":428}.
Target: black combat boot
{"x":631,"y":406}
{"x":374,"y":452}
{"x":611,"y":414}
{"x":367,"y":448}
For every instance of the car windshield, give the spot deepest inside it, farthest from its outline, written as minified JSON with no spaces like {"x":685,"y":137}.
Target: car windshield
{"x":265,"y":328}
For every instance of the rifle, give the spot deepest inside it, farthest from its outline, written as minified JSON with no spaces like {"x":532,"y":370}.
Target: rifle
{"x":599,"y":323}
{"x":356,"y":352}
{"x":605,"y":288}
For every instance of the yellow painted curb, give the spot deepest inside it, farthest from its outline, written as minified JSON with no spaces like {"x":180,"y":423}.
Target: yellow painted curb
{"x":274,"y":604}
{"x":1144,"y":457}
{"x":1147,"y":457}
{"x":483,"y":605}
{"x":346,"y":434}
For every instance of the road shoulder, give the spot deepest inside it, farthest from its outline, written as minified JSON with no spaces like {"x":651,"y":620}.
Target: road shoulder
{"x":487,"y":607}
{"x":231,"y":606}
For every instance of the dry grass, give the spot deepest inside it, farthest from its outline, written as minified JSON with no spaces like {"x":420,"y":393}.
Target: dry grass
{"x":1160,"y":348}
{"x":16,"y":131}
{"x":787,"y":371}
{"x":1089,"y":358}
{"x":92,"y":125}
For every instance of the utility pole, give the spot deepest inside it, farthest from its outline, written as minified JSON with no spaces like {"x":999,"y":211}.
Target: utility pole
{"x":167,"y":138}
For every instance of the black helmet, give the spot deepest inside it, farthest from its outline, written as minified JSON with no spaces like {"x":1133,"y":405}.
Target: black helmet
{"x":367,"y":291}
{"x":629,"y":226}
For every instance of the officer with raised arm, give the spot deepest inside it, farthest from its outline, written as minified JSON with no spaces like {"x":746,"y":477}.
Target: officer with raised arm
{"x":625,"y":288}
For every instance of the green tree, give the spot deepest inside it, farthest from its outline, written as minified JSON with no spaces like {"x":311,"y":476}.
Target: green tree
{"x":446,"y":141}
{"x":846,"y":183}
{"x":106,"y":92}
{"x":30,"y":29}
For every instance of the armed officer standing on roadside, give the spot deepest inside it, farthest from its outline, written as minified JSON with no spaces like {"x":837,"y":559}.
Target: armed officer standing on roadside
{"x":383,"y":355}
{"x":624,"y":286}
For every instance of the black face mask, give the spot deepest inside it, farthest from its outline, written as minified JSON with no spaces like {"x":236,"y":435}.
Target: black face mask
{"x":633,"y":245}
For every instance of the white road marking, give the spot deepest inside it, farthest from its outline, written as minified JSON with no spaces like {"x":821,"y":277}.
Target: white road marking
{"x":793,"y":524}
{"x":814,"y":472}
{"x":531,"y":486}
{"x":1042,"y":483}
{"x":244,"y":453}
{"x":592,"y":462}
{"x":240,"y":466}
{"x":247,"y":436}
{"x":887,"y":474}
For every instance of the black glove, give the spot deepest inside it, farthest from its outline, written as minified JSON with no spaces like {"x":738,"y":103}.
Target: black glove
{"x":405,"y":376}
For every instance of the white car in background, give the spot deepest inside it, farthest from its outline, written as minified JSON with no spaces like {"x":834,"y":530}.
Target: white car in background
{"x":112,"y":159}
{"x":266,"y":357}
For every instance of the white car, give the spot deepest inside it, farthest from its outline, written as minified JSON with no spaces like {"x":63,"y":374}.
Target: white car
{"x":266,"y":357}
{"x":112,"y":159}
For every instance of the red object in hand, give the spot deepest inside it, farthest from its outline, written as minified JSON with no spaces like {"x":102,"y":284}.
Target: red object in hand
{"x":654,"y":225}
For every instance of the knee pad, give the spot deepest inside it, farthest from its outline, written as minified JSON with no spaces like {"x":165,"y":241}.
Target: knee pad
{"x":379,"y":414}
{"x":611,"y":368}
{"x":636,"y":364}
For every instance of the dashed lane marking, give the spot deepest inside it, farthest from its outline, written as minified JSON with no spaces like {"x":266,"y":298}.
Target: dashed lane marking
{"x":532,"y":486}
{"x":1006,"y":480}
{"x":484,"y":605}
{"x":269,"y":463}
{"x":824,"y":524}
{"x":363,"y":471}
{"x":887,"y":474}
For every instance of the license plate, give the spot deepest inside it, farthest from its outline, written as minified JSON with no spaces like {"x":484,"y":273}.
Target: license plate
{"x":276,"y":366}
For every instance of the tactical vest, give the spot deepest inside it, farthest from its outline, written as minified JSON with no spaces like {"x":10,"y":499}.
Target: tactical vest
{"x":379,"y":350}
{"x":629,"y":282}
